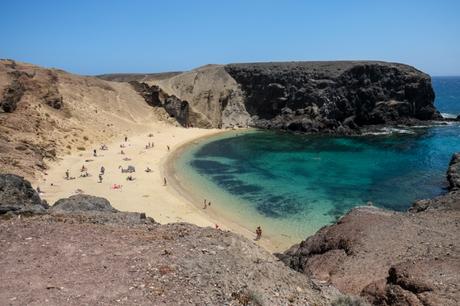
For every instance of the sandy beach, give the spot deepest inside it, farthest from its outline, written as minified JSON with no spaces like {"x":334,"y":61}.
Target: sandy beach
{"x":146,"y":193}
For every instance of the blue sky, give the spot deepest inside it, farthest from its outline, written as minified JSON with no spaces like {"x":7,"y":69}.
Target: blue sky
{"x":102,"y":36}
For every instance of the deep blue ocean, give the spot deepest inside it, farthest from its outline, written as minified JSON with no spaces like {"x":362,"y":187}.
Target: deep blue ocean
{"x":295,"y":184}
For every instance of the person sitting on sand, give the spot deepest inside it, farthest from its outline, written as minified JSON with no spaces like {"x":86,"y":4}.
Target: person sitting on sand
{"x":217,"y":226}
{"x":130,"y":178}
{"x":122,"y":152}
{"x":102,"y":170}
{"x":258,"y":233}
{"x":83,"y":168}
{"x":122,"y":145}
{"x":84,"y":174}
{"x":148,"y":170}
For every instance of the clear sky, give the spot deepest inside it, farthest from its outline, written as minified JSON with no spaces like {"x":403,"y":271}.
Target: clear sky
{"x":104,"y":36}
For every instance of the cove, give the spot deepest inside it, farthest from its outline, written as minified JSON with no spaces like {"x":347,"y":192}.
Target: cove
{"x":295,"y":184}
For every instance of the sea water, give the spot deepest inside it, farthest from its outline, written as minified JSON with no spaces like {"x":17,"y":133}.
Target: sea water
{"x":292,"y":185}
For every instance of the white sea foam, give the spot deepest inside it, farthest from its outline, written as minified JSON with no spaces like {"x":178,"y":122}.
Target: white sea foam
{"x":389,"y":131}
{"x":448,"y":115}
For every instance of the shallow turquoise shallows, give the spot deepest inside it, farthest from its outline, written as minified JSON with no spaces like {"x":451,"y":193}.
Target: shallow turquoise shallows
{"x":295,"y":184}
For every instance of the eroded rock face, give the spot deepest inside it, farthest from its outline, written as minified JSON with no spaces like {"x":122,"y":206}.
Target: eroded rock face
{"x":155,"y":96}
{"x":18,"y":196}
{"x":453,"y":173}
{"x":388,"y":257}
{"x":334,"y":97}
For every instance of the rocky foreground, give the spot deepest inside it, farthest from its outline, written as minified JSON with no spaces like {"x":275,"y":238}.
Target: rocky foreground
{"x":391,"y":258}
{"x":83,"y":251}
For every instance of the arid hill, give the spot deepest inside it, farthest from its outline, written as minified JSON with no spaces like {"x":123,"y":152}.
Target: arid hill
{"x":48,"y":112}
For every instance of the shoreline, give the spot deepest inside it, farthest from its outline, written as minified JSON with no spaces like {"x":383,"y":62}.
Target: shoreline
{"x":165,"y":204}
{"x":186,"y":194}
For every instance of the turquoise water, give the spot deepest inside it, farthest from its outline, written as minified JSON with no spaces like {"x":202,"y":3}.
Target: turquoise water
{"x":295,"y":184}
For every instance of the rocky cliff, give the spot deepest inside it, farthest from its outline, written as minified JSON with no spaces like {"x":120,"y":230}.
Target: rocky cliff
{"x":336,"y":97}
{"x":388,"y":257}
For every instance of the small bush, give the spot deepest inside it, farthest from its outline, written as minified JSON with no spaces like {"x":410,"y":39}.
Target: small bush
{"x":347,"y":300}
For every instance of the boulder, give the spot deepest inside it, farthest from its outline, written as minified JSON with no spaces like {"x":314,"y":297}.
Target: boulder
{"x":18,"y":196}
{"x":81,"y":203}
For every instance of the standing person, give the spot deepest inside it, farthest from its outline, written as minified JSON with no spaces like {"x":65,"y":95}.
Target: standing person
{"x":164,"y":181}
{"x":94,"y":153}
{"x":205,"y":205}
{"x":126,"y":138}
{"x":100,"y":178}
{"x":102,"y":170}
{"x":67,"y":174}
{"x":258,"y":233}
{"x":168,"y":148}
{"x":209,"y":203}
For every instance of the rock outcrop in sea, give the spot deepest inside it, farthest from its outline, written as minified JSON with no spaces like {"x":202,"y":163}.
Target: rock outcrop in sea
{"x":330,"y":97}
{"x":388,"y":257}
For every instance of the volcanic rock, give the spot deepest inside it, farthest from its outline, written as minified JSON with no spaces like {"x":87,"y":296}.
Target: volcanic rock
{"x":18,"y":196}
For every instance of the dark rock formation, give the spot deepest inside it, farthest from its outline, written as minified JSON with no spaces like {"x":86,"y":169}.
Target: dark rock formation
{"x":97,"y":210}
{"x":453,"y":174}
{"x":178,"y":109}
{"x":83,"y":202}
{"x":18,"y":196}
{"x":388,"y":257}
{"x":11,"y":96}
{"x":155,"y":96}
{"x":338,"y":97}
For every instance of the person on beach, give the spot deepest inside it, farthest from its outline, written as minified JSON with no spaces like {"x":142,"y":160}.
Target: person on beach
{"x":130,"y":178}
{"x":83,"y":168}
{"x":148,"y":170}
{"x":67,"y":174}
{"x":168,"y":148}
{"x":126,"y":138}
{"x":102,"y":170}
{"x":122,"y":152}
{"x":100,"y":178}
{"x":94,"y":153}
{"x":209,"y":203}
{"x":165,"y":182}
{"x":217,"y":226}
{"x":205,"y":205}
{"x":39,"y":190}
{"x":258,"y":233}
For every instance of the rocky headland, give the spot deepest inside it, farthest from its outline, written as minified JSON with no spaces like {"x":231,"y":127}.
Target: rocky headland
{"x":343,"y":97}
